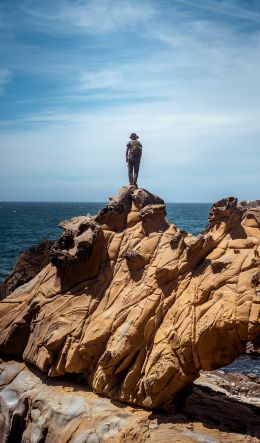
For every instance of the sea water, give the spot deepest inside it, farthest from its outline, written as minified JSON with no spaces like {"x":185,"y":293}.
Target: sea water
{"x":26,"y":224}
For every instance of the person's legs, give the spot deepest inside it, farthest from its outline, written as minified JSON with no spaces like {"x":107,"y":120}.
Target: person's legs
{"x":136,"y":169}
{"x":130,"y":170}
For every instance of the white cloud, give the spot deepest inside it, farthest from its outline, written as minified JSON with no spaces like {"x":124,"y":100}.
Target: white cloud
{"x":188,"y":156}
{"x":208,"y":47}
{"x":225,"y":7}
{"x":154,"y":118}
{"x":5,"y":78}
{"x":90,"y":16}
{"x":103,"y":79}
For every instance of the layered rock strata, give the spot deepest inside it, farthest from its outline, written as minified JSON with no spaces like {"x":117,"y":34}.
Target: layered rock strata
{"x":137,"y":306}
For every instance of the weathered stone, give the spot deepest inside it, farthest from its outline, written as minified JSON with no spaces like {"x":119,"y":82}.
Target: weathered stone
{"x":34,"y":410}
{"x":28,"y":265}
{"x":137,"y":306}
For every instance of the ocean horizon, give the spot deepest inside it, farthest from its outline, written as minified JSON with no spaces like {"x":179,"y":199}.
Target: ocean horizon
{"x":28,"y":223}
{"x":89,"y":202}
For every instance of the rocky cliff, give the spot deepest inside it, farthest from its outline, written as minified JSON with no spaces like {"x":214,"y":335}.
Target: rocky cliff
{"x":137,"y":306}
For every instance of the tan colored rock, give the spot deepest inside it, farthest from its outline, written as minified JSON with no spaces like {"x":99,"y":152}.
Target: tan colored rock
{"x":37,"y":409}
{"x":137,"y":306}
{"x":28,"y":265}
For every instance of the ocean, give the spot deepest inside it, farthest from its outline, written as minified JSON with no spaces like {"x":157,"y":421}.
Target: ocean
{"x":25,"y":224}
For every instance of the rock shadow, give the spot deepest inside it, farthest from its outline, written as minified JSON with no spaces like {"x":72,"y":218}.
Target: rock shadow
{"x":215,"y":410}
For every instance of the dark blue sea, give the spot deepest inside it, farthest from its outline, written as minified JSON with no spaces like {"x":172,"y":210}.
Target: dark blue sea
{"x":26,"y":224}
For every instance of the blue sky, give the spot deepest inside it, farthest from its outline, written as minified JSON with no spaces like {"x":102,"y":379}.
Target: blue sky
{"x":76,"y":77}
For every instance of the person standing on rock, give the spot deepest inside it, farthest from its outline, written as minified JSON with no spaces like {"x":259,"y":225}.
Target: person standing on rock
{"x":133,"y":158}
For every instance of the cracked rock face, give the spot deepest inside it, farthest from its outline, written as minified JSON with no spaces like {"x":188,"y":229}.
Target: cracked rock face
{"x":137,"y":306}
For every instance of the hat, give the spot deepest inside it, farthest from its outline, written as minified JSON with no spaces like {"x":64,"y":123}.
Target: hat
{"x":133,"y":136}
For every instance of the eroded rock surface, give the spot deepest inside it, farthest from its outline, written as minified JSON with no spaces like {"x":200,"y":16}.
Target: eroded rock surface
{"x":35,"y":408}
{"x":28,"y":265}
{"x":137,"y":306}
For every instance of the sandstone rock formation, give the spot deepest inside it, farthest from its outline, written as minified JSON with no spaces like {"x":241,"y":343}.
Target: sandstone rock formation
{"x":137,"y":306}
{"x":28,"y":265}
{"x":37,"y":409}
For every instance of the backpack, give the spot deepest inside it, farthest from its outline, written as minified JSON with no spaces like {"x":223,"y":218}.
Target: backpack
{"x":135,"y":147}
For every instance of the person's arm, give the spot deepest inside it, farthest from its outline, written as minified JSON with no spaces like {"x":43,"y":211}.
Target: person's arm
{"x":141,"y":146}
{"x":126,"y":152}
